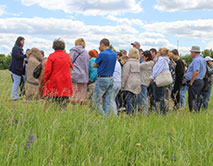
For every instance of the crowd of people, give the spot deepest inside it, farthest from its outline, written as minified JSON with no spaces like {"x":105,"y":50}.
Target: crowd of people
{"x":110,"y":80}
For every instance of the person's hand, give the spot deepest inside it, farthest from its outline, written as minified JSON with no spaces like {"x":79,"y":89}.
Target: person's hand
{"x":28,"y":53}
{"x":151,"y":80}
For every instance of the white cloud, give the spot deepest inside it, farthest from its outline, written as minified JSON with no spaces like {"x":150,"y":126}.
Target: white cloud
{"x":176,"y":5}
{"x":2,"y":9}
{"x":40,"y":32}
{"x":197,"y":29}
{"x":210,"y":45}
{"x":125,"y":21}
{"x":7,"y":41}
{"x":89,"y":7}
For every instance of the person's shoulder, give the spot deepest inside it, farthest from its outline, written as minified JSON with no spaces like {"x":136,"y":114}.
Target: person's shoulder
{"x":92,"y":59}
{"x":16,"y":48}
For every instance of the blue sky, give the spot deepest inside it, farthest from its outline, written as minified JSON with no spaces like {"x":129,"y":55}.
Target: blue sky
{"x":154,"y":23}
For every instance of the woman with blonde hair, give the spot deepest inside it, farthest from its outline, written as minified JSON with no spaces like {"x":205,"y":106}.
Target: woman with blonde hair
{"x":160,"y":66}
{"x":80,"y":72}
{"x":131,"y":83}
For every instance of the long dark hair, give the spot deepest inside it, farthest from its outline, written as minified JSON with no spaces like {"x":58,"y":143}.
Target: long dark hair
{"x":18,"y":41}
{"x":148,"y":55}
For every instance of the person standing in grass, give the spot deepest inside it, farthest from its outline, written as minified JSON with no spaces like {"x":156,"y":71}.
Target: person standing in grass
{"x":105,"y":62}
{"x":131,"y":82}
{"x":116,"y":87}
{"x":184,"y":88}
{"x":80,"y":73}
{"x":92,"y":71}
{"x":17,"y":66}
{"x":179,"y":72}
{"x":160,"y":66}
{"x":32,"y":83}
{"x":206,"y":92}
{"x":151,"y":88}
{"x":145,"y":74}
{"x":194,"y":77}
{"x":57,"y":76}
{"x":41,"y":76}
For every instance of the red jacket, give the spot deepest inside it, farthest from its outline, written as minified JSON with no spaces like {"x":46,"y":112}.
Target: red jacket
{"x":57,"y":77}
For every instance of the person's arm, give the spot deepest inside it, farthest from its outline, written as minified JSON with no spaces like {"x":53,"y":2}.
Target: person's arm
{"x":95,"y":65}
{"x":125,"y":75}
{"x":210,"y":70}
{"x":143,"y":66}
{"x":97,"y":61}
{"x":48,"y":70}
{"x":70,"y":61}
{"x":194,"y":76}
{"x":157,"y":69}
{"x":18,"y":53}
{"x":196,"y":67}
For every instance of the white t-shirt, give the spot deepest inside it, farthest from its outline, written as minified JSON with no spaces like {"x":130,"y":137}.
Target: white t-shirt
{"x":117,"y":72}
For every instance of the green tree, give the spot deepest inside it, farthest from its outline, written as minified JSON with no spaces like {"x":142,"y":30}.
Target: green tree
{"x":187,"y":59}
{"x":207,"y":52}
{"x":4,"y":61}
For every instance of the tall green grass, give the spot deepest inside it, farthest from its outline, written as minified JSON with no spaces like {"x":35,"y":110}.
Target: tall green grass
{"x":41,"y":134}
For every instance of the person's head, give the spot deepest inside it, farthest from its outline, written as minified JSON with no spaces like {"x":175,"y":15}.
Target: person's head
{"x":133,"y":53}
{"x":176,"y":54}
{"x":42,"y":53}
{"x":93,"y":53}
{"x":209,"y":60}
{"x":104,"y":44}
{"x":80,"y":42}
{"x":123,"y":52}
{"x":172,"y":58}
{"x":163,"y":52}
{"x":153,"y":52}
{"x":147,"y":56}
{"x":136,"y":45}
{"x":20,"y":42}
{"x":58,"y":44}
{"x":171,"y":55}
{"x":195,"y":51}
{"x":123,"y":59}
{"x":119,"y":55}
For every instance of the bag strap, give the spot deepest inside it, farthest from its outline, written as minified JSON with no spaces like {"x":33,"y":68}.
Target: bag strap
{"x":165,"y":64}
{"x":76,"y":58}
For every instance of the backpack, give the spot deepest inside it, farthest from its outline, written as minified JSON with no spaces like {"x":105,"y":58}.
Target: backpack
{"x":37,"y":71}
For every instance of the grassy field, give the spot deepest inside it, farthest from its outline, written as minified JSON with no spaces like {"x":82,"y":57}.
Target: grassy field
{"x":38,"y":134}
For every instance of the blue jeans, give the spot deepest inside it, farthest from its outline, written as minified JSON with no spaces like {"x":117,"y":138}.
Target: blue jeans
{"x":205,"y":98}
{"x":152,"y":97}
{"x":103,"y":90}
{"x":194,"y":95}
{"x":15,"y":87}
{"x":143,"y":100}
{"x":183,"y":91}
{"x":131,"y":101}
{"x":116,"y":88}
{"x":159,"y":93}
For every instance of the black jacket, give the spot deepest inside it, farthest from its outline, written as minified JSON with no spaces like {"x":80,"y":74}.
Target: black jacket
{"x":17,"y":61}
{"x":180,"y":71}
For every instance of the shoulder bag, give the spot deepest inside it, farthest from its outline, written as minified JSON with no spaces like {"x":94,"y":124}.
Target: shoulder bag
{"x":164,"y":78}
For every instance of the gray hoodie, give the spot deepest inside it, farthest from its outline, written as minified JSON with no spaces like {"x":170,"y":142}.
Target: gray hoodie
{"x":80,"y":59}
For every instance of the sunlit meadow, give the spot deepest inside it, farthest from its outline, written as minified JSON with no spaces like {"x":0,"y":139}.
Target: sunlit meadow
{"x":37,"y":133}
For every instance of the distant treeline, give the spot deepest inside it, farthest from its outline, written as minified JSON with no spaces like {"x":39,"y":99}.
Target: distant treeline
{"x":5,"y":60}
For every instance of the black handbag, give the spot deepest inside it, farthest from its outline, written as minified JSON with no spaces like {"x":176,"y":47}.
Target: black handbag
{"x":37,"y":71}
